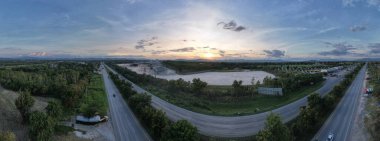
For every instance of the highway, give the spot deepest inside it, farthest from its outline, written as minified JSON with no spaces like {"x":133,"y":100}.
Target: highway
{"x":340,"y":121}
{"x":229,"y":127}
{"x":125,"y":125}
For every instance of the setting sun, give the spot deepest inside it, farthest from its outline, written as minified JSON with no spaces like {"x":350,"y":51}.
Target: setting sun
{"x":208,"y":55}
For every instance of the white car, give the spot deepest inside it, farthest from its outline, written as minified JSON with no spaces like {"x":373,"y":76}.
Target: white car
{"x":330,"y":137}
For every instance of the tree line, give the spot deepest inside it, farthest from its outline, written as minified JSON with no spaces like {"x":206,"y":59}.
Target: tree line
{"x":372,"y":121}
{"x":183,"y":67}
{"x":155,"y":121}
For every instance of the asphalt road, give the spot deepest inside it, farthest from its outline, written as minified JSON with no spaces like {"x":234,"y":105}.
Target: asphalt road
{"x":125,"y":125}
{"x":341,"y":120}
{"x":239,"y":126}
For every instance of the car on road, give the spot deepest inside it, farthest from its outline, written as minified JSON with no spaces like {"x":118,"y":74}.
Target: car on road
{"x":114,"y":95}
{"x":330,"y":137}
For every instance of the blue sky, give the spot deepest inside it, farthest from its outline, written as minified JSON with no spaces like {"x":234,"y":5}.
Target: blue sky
{"x":171,"y":29}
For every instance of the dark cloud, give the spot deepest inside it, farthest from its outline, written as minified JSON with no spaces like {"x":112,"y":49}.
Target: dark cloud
{"x":11,"y":49}
{"x":222,"y":53}
{"x":340,"y":49}
{"x":357,"y":28}
{"x":274,"y":53}
{"x":186,"y":49}
{"x":239,"y":28}
{"x":146,"y":42}
{"x":156,"y":52}
{"x":374,"y":48}
{"x":232,"y":26}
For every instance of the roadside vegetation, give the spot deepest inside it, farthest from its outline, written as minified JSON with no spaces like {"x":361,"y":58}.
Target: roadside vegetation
{"x":73,"y":88}
{"x":236,"y":99}
{"x":311,"y":117}
{"x":7,"y":136}
{"x":372,"y":120}
{"x":155,"y":122}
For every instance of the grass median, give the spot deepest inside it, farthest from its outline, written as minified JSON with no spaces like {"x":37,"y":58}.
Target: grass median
{"x":241,"y":106}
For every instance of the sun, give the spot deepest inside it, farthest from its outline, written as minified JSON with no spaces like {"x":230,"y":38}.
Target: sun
{"x":208,"y":55}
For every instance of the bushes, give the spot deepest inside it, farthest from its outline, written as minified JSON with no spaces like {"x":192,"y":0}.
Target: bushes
{"x":24,"y":104}
{"x":139,"y":102}
{"x":274,"y":130}
{"x":182,"y":130}
{"x":41,"y":126}
{"x":7,"y":136}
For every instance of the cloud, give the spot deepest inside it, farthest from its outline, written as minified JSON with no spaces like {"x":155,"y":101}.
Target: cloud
{"x":156,"y":52}
{"x":274,"y":53}
{"x":341,"y":49}
{"x":374,"y":48}
{"x":373,"y":2}
{"x":186,"y":49}
{"x":232,"y":26}
{"x":349,"y":3}
{"x":146,"y":42}
{"x":11,"y":49}
{"x":358,"y":28}
{"x":38,"y":54}
{"x":327,"y":30}
{"x":222,"y":53}
{"x":132,"y":1}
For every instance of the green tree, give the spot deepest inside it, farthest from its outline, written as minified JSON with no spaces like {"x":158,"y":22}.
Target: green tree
{"x":41,"y":126}
{"x":315,"y":101}
{"x":305,"y":123}
{"x":182,"y":130}
{"x":54,"y":109}
{"x":198,"y":85}
{"x":238,"y":88}
{"x":156,"y":120}
{"x":139,"y":101}
{"x":274,"y":130}
{"x":24,"y":104}
{"x":7,"y":136}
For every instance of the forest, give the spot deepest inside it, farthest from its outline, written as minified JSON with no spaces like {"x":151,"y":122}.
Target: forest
{"x":74,"y":87}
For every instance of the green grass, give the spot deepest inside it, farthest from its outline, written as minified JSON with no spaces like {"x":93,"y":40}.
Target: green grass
{"x":229,"y":106}
{"x":95,"y":96}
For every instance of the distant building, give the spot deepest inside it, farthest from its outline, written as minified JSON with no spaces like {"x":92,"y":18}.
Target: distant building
{"x":270,"y":91}
{"x":331,"y":70}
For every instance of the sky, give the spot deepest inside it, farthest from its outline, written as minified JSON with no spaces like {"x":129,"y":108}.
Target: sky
{"x":197,"y":29}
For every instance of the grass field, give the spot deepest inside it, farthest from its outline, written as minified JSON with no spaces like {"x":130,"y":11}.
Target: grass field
{"x":242,"y":106}
{"x":96,"y":96}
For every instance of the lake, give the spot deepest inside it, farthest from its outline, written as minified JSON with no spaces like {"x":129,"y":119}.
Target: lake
{"x":212,"y":78}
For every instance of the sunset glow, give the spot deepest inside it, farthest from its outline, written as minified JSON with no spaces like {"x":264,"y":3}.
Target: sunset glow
{"x":220,"y":29}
